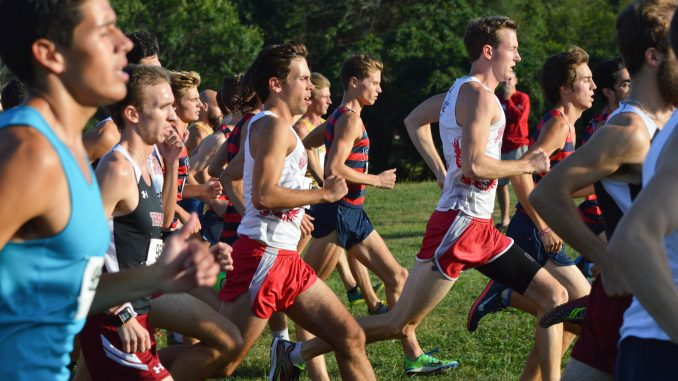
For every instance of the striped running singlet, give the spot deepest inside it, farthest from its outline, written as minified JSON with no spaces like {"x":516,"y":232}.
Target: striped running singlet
{"x":357,"y":159}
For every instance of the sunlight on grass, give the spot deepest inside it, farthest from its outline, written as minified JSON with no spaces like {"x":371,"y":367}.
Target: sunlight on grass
{"x":496,"y":351}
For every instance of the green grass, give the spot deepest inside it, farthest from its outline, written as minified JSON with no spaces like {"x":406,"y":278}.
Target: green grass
{"x":496,"y":351}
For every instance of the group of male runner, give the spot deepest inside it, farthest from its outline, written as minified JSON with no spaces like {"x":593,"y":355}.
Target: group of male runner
{"x":71,"y":58}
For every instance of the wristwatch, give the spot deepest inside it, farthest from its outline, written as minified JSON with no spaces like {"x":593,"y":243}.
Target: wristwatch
{"x":121,"y":317}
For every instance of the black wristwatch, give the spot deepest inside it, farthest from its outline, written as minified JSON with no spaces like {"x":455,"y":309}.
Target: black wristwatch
{"x":121,"y":317}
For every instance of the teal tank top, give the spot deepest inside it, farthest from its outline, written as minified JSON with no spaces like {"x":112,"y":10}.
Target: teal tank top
{"x":47,"y":285}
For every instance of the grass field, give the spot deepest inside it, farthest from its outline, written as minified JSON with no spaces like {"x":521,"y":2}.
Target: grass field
{"x":496,"y":351}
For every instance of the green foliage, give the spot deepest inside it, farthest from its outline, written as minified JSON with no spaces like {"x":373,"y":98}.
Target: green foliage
{"x":201,"y":35}
{"x":421,"y":44}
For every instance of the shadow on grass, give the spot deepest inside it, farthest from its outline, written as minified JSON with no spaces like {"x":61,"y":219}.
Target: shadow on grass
{"x":247,"y":371}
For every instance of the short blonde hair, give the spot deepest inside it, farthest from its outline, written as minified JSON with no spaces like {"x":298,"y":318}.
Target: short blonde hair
{"x":319,"y":82}
{"x":181,"y":81}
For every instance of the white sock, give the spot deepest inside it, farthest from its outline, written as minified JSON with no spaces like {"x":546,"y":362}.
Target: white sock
{"x":295,"y":355}
{"x":283,"y":334}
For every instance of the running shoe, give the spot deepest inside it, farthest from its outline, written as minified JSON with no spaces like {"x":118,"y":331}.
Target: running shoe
{"x":570,"y":312}
{"x":282,"y":368}
{"x":584,"y":266}
{"x":381,"y":308}
{"x":427,"y":364}
{"x":377,"y":287}
{"x":488,"y":302}
{"x":355,"y":296}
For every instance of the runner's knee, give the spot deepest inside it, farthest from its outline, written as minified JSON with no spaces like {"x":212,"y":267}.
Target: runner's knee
{"x":349,"y":339}
{"x":553,"y":295}
{"x":397,"y":282}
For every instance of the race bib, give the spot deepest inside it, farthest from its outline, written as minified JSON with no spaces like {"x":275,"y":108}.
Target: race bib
{"x":154,"y":251}
{"x":90,"y":281}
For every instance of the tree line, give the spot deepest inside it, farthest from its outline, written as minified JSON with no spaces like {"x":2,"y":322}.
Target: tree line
{"x":420,"y":43}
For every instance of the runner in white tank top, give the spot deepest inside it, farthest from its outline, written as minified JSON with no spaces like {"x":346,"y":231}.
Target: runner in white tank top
{"x":645,"y":249}
{"x":463,"y":237}
{"x":650,"y":330}
{"x":637,"y":321}
{"x":269,"y":275}
{"x":474,"y":197}
{"x":623,"y":142}
{"x":276,"y":228}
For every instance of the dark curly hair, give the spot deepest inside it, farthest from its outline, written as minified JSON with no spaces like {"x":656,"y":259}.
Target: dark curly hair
{"x":145,"y":45}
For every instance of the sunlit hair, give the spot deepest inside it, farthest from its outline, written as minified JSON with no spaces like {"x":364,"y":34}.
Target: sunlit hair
{"x":483,"y":31}
{"x":560,"y":70}
{"x":273,"y":61}
{"x":359,"y":66}
{"x":140,"y":77}
{"x":182,"y":81}
{"x":319,"y":82}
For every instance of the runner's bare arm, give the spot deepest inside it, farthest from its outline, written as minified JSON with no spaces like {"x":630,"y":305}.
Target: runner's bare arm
{"x":211,"y":189}
{"x":551,"y":138}
{"x":195,"y":137}
{"x":314,"y":166}
{"x":218,"y":161}
{"x":101,"y":139}
{"x":475,"y":115}
{"x":231,"y":180}
{"x":182,"y":266}
{"x":637,"y":248}
{"x":315,"y":138}
{"x":348,"y":129}
{"x":205,"y":152}
{"x":272,"y":141}
{"x":170,"y":150}
{"x":313,"y":160}
{"x":610,"y":147}
{"x":418,"y":124}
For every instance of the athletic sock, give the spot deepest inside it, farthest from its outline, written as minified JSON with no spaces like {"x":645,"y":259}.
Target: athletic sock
{"x":295,"y":355}
{"x":587,"y":269}
{"x":506,"y":297}
{"x":354,"y":290}
{"x":283,"y":333}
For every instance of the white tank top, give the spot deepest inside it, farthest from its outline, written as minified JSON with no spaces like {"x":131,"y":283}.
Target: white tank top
{"x":637,"y":321}
{"x":619,"y":190}
{"x":474,"y":197}
{"x":276,"y":228}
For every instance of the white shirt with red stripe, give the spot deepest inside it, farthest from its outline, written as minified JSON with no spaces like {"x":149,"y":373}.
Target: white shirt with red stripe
{"x":474,"y":197}
{"x":278,"y":228}
{"x":637,"y":321}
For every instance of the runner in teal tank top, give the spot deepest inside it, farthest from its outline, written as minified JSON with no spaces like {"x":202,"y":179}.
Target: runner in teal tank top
{"x":40,"y":314}
{"x":70,"y":56}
